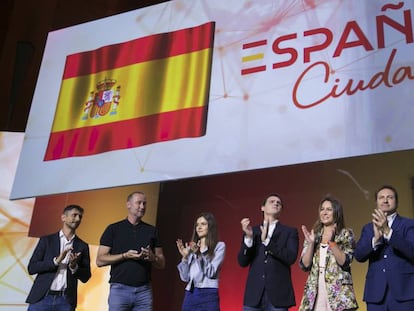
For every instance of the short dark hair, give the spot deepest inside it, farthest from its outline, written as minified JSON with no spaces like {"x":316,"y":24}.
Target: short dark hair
{"x":272,"y":195}
{"x":387,"y":187}
{"x":71,"y":207}
{"x":132,"y":194}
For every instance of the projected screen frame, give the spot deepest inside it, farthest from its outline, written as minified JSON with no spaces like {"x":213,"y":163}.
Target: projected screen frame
{"x":269,"y":104}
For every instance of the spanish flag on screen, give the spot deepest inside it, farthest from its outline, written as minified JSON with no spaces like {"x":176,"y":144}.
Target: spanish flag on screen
{"x":135,"y":93}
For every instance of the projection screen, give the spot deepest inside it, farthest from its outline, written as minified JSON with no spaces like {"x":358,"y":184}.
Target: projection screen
{"x":204,"y":87}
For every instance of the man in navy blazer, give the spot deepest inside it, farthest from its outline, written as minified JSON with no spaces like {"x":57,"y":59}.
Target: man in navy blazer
{"x":59,"y":260}
{"x":270,"y":250}
{"x":388,"y":244}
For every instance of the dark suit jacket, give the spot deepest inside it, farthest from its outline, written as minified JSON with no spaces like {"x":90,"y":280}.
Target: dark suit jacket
{"x":392,"y":263}
{"x":41,"y":263}
{"x":270,"y":266}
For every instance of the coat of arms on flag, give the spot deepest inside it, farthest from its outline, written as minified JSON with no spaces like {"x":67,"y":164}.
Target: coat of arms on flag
{"x":103,"y":100}
{"x":165,"y":81}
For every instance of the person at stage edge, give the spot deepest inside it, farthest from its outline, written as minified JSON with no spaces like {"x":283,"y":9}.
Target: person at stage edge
{"x":328,"y":251}
{"x":132,"y":248}
{"x":59,"y":260}
{"x":269,"y":250}
{"x":200,"y":265}
{"x":387,"y":242}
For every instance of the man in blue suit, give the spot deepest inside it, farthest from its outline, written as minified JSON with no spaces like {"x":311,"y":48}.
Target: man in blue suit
{"x":388,"y":244}
{"x":270,"y":250}
{"x":59,"y":260}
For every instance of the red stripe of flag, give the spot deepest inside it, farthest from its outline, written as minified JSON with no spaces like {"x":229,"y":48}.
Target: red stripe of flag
{"x":127,"y":133}
{"x":144,"y":49}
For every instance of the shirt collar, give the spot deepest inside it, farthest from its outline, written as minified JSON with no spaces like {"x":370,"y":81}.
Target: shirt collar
{"x":63,"y":236}
{"x":390,"y":218}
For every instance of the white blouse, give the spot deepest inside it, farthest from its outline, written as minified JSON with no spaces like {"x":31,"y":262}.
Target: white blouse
{"x":202,"y":272}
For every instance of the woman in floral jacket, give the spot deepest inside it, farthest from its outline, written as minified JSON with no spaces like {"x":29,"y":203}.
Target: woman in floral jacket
{"x":327,"y":253}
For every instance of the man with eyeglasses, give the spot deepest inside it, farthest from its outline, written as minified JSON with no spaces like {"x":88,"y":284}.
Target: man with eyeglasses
{"x":387,"y":242}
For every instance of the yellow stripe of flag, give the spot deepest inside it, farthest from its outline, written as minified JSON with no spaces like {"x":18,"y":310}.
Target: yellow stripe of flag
{"x":146,"y":88}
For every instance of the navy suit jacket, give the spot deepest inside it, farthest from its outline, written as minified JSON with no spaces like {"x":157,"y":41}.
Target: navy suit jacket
{"x":41,"y":263}
{"x":270,"y":266}
{"x":390,"y":264}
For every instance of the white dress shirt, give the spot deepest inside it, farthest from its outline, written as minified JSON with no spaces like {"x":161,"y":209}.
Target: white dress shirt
{"x":59,"y":282}
{"x":272,"y":226}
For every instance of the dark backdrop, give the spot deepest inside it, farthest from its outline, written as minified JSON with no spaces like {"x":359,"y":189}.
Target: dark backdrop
{"x":229,"y":197}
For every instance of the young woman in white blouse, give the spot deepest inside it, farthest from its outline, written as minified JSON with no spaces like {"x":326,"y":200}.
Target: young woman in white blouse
{"x":200,"y":265}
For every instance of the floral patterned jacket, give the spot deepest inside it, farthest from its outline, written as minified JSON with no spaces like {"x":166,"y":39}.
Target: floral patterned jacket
{"x":338,"y":278}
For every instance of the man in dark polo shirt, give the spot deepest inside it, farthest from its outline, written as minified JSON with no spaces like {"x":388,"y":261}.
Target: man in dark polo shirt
{"x":131,"y":247}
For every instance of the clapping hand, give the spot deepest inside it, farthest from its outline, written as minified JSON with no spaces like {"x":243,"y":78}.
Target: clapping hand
{"x":309,"y":236}
{"x":73,"y":260}
{"x":144,"y":254}
{"x":195,"y":247}
{"x":246,"y":227}
{"x":147,"y":254}
{"x":63,"y":255}
{"x":184,"y":249}
{"x":264,"y":229}
{"x":380,"y":223}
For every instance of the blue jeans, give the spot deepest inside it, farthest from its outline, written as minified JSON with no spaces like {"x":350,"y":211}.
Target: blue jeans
{"x":201,"y":299}
{"x":128,"y":298}
{"x":51,"y":303}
